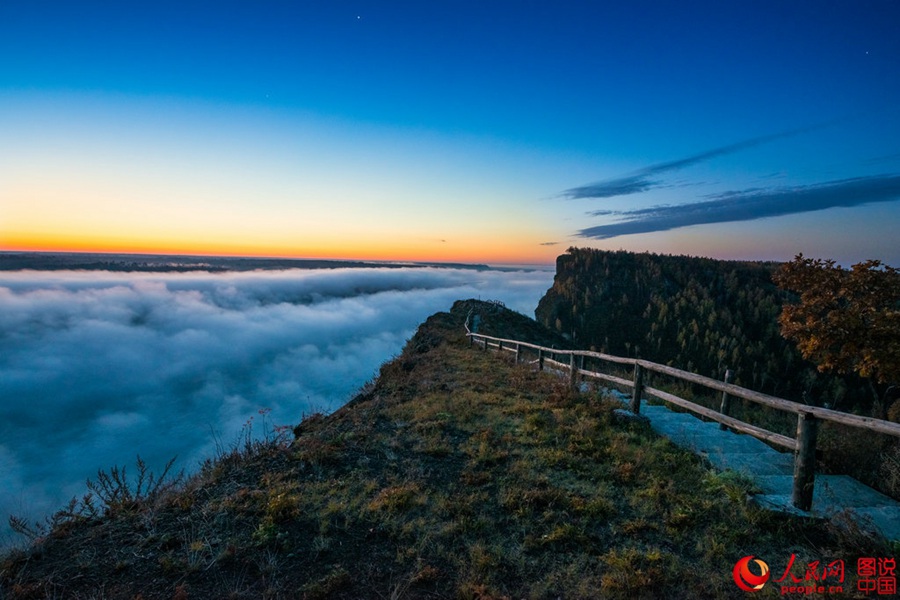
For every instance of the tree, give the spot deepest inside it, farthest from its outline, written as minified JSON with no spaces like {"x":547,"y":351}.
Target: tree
{"x":846,"y":320}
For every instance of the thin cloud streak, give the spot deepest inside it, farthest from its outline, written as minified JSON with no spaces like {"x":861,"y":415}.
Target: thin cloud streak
{"x":610,"y":188}
{"x":643,"y":180}
{"x":751,"y":204}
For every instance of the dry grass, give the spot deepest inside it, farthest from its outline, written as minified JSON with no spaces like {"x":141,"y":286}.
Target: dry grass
{"x":456,"y":475}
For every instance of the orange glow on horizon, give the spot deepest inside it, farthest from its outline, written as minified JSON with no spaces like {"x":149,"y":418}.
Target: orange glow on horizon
{"x":475,"y":253}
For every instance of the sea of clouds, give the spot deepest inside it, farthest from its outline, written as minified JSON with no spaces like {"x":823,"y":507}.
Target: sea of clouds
{"x":97,"y":367}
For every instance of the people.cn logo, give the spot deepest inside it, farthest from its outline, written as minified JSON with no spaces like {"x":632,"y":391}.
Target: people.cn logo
{"x":746,"y":579}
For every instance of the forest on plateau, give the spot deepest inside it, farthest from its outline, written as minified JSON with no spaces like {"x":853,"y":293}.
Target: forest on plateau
{"x":698,"y":314}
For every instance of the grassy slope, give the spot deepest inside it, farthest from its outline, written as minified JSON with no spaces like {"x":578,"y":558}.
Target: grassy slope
{"x":457,"y":475}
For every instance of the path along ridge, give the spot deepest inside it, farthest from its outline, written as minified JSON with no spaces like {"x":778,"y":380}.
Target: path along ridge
{"x":772,"y":471}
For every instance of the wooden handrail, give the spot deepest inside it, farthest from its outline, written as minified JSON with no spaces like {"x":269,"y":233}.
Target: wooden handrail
{"x":826,"y":414}
{"x":807,"y":416}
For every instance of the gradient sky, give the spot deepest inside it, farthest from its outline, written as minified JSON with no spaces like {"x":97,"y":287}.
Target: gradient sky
{"x":451,"y":130}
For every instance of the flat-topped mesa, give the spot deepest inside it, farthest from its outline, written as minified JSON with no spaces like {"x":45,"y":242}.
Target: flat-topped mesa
{"x":698,"y":314}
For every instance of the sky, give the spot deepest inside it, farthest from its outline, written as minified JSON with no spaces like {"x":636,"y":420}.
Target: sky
{"x":100,"y":367}
{"x":499,"y":132}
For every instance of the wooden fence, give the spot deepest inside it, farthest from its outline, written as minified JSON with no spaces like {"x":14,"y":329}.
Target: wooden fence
{"x":808,"y":417}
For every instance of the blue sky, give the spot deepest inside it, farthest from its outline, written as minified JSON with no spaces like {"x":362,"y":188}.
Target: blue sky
{"x":483,"y":131}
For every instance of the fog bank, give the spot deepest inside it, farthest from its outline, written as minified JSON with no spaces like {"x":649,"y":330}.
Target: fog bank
{"x":97,"y":367}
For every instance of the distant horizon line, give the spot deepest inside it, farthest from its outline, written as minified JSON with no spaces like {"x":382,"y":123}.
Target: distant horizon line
{"x":269,"y":257}
{"x":385,"y":262}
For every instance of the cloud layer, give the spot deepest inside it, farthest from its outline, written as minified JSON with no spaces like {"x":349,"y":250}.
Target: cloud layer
{"x":97,"y":367}
{"x":750,"y":204}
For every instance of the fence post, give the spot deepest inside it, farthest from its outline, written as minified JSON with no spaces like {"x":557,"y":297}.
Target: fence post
{"x":499,"y":347}
{"x":484,"y":342}
{"x":805,"y":461}
{"x":725,"y":409}
{"x":638,"y":388}
{"x":540,"y":360}
{"x":518,"y":353}
{"x":573,"y":371}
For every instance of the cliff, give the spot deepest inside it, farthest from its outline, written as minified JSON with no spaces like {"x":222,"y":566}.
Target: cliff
{"x":455,"y":474}
{"x":698,"y":314}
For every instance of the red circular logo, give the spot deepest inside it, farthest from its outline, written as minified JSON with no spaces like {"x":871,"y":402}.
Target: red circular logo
{"x":747,"y":580}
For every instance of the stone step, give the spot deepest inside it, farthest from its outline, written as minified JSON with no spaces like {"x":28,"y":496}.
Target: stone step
{"x":675,"y":420}
{"x":725,"y":443}
{"x":678,"y":422}
{"x":754,"y":463}
{"x":883,"y":520}
{"x":663,"y":414}
{"x":772,"y":471}
{"x":831,"y":492}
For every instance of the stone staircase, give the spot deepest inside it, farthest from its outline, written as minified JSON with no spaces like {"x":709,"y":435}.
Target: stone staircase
{"x":772,"y":471}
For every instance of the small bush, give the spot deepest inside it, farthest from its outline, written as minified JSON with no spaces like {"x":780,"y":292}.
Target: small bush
{"x":116,"y":494}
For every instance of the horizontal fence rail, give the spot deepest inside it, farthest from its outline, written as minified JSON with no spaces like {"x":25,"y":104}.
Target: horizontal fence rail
{"x":808,"y":417}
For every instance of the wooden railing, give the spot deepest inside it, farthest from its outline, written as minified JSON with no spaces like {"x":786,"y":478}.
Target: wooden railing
{"x":808,"y":417}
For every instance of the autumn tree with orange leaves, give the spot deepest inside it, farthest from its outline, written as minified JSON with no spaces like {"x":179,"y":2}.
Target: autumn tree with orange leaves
{"x":846,"y":321}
